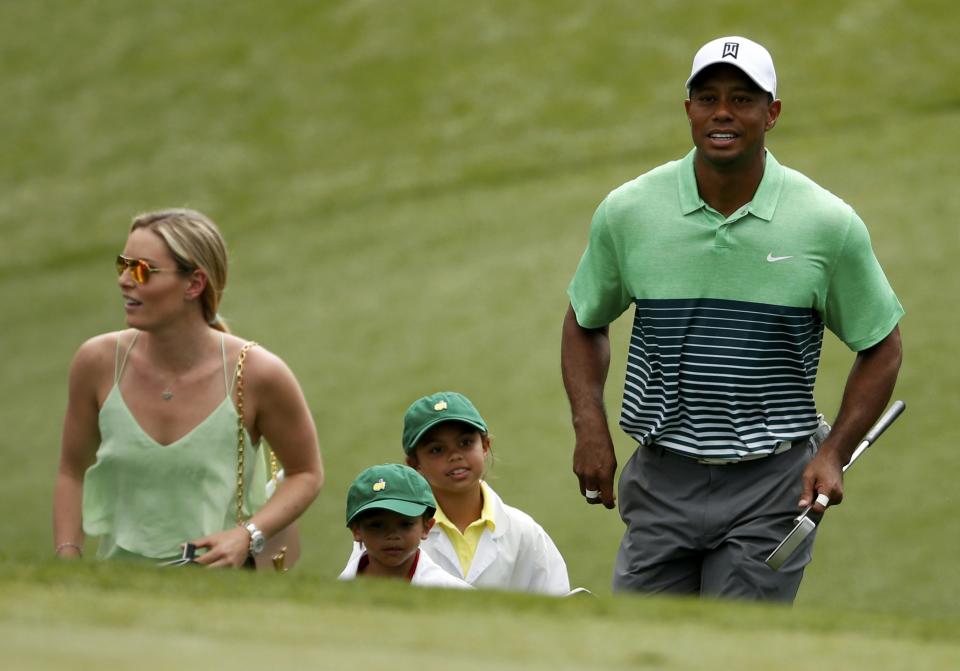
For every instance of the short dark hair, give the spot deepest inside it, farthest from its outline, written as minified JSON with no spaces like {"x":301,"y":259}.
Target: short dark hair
{"x":697,"y":81}
{"x":370,"y":512}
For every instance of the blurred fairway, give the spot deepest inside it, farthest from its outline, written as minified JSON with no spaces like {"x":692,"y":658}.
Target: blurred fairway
{"x":95,"y":618}
{"x":406,"y":187}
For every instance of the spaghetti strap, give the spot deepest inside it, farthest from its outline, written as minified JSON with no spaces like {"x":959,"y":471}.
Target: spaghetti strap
{"x":116,"y":363}
{"x":119,"y":365}
{"x":233,"y":380}
{"x":223,"y":355}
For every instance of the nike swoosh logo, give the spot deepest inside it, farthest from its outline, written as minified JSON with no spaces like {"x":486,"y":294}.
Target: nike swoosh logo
{"x":773,"y":259}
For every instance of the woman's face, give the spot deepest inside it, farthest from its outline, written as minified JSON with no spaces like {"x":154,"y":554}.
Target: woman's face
{"x":164,"y":295}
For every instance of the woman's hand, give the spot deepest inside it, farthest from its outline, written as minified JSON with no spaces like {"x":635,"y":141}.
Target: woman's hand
{"x":228,"y":548}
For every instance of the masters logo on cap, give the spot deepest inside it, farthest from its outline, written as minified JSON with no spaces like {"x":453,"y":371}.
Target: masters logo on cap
{"x":444,"y":406}
{"x":392,"y":487}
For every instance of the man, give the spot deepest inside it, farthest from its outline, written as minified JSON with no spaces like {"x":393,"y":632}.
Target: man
{"x":734,"y":264}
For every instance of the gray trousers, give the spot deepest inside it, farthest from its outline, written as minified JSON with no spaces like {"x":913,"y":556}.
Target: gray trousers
{"x":703,"y":529}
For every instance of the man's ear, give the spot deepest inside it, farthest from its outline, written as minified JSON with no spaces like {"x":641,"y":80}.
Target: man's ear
{"x":198,"y":284}
{"x":356,"y":533}
{"x":773,"y":113}
{"x":427,"y":526}
{"x":413,"y":462}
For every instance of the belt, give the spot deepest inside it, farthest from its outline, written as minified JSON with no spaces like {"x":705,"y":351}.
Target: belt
{"x":781,"y":447}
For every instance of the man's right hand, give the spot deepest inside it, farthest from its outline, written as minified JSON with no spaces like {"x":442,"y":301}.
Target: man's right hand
{"x":595,"y":463}
{"x":585,"y":359}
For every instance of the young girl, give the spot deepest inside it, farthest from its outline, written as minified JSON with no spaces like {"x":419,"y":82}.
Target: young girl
{"x":390,"y":511}
{"x":476,"y":537}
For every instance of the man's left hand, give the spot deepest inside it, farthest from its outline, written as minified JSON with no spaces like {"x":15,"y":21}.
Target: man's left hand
{"x":823,"y":475}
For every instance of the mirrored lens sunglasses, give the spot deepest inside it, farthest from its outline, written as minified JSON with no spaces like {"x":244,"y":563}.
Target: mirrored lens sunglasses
{"x":139,"y":269}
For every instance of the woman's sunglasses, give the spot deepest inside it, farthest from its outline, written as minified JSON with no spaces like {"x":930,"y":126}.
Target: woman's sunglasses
{"x":139,"y":269}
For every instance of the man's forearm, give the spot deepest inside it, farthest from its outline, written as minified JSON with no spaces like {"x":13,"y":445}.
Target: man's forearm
{"x":867,"y":392}
{"x":585,"y":361}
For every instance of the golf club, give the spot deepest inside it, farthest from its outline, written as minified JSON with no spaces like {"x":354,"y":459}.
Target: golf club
{"x":807,"y":522}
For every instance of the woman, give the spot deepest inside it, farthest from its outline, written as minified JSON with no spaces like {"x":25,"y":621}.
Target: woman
{"x":149,"y":452}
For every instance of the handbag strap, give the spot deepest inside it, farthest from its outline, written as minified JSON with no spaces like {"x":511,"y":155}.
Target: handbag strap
{"x":241,"y":429}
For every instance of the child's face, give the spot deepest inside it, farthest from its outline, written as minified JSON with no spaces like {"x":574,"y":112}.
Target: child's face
{"x":452,"y":457}
{"x":390,"y":539}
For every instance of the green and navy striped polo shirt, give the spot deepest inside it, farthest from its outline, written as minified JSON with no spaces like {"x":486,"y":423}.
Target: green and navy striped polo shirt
{"x":729,"y":311}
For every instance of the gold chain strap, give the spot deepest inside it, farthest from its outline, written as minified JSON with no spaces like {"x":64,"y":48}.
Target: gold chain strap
{"x":274,"y":466}
{"x":280,"y":557}
{"x":240,"y":428}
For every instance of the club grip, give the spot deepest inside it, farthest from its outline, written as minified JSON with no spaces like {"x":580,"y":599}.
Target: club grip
{"x":885,"y":421}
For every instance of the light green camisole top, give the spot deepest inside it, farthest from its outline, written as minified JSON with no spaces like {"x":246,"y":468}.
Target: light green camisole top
{"x":144,"y":499}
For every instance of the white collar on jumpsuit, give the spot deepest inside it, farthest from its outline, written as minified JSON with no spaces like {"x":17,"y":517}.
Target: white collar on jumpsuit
{"x":486,"y":548}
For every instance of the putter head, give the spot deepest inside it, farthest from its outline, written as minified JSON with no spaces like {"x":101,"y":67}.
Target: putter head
{"x":791,"y":542}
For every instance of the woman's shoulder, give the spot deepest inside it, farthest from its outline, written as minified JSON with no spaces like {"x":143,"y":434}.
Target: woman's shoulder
{"x":257,"y":356}
{"x":95,"y":361}
{"x":101,"y":350}
{"x":260,"y":365}
{"x":109,"y":340}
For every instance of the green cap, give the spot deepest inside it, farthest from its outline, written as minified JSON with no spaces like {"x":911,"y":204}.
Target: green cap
{"x":390,"y":487}
{"x":444,"y":406}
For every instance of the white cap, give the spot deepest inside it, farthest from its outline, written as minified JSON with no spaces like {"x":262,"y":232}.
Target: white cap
{"x":742,"y":53}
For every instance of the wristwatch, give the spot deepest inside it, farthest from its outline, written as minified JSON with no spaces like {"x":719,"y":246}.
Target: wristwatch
{"x":257,"y":539}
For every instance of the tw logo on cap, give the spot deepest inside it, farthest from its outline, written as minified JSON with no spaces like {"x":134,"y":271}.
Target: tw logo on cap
{"x":730,"y":49}
{"x":379,"y":485}
{"x":440,"y":405}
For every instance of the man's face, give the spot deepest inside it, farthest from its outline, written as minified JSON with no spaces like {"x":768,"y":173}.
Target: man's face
{"x":729,"y":116}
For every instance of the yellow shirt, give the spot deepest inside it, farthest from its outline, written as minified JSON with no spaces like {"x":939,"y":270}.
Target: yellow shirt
{"x":466,"y":543}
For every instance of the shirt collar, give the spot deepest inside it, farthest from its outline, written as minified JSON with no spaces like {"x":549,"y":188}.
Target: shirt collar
{"x":486,"y":512}
{"x":764,"y":201}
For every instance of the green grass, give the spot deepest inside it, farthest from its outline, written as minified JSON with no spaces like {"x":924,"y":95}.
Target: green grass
{"x":97,"y":616}
{"x":405,"y":188}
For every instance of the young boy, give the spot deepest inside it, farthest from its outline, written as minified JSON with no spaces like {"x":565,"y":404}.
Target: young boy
{"x":390,"y":511}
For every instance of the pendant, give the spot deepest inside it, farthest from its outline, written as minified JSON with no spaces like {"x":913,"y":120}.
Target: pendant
{"x":166,"y":395}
